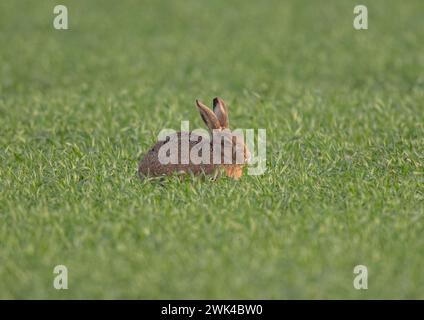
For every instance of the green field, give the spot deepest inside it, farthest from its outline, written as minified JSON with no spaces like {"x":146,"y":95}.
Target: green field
{"x":344,"y":114}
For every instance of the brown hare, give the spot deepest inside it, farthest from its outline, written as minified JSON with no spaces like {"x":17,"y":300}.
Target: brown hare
{"x":224,"y":153}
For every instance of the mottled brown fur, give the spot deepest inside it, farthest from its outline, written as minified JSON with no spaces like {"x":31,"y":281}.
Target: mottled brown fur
{"x":150,"y":165}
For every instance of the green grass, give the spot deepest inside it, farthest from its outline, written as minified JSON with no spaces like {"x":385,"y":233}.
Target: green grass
{"x":344,"y":114}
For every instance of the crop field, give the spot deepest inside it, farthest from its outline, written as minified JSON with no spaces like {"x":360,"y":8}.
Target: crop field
{"x":343,"y":111}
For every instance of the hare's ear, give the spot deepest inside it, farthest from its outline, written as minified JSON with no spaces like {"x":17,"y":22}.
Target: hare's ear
{"x":221,"y":111}
{"x":208,"y":116}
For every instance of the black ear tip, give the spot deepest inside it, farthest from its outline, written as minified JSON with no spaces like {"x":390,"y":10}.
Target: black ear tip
{"x":216,"y":100}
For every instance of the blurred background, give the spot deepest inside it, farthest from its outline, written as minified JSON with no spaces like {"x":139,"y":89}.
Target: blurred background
{"x":174,"y":45}
{"x":343,"y":110}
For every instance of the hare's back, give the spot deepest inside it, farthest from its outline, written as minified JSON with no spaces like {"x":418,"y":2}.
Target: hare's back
{"x":176,"y":144}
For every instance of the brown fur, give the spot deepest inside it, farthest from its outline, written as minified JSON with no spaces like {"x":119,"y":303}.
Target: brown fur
{"x":150,"y":165}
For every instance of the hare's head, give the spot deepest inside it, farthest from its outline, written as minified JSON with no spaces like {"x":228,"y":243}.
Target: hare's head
{"x":219,"y":125}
